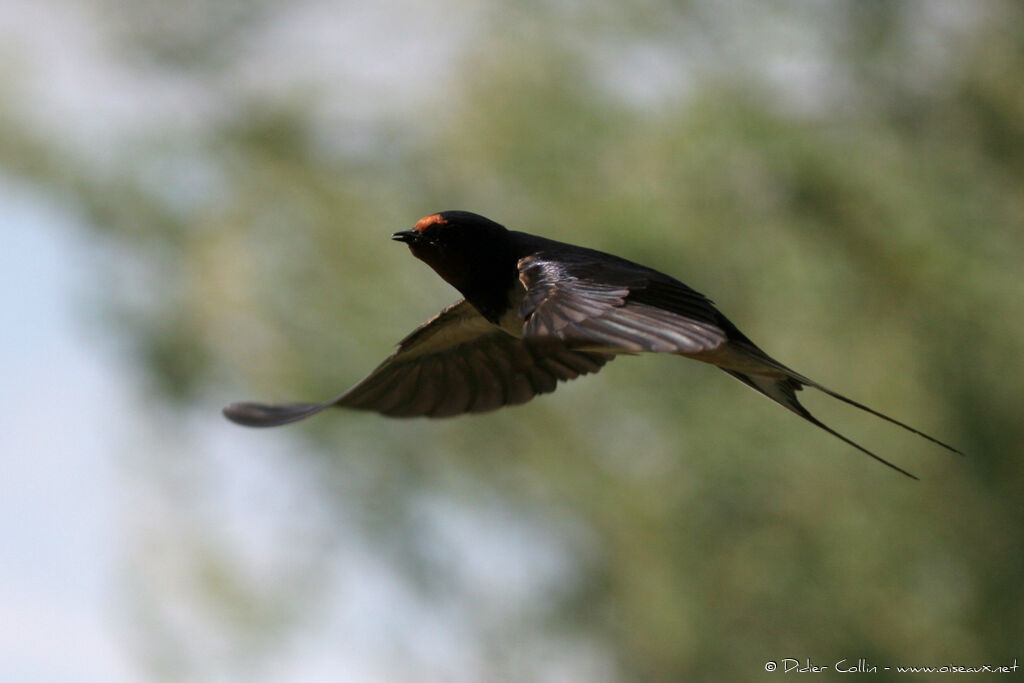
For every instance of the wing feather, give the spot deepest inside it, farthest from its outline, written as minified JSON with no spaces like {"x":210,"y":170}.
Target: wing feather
{"x":617,"y":307}
{"x":456,"y":362}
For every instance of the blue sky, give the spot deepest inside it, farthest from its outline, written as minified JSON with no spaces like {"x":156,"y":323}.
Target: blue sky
{"x":61,"y":392}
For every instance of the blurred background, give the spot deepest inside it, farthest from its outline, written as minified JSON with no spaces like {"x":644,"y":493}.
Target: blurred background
{"x":197,"y":202}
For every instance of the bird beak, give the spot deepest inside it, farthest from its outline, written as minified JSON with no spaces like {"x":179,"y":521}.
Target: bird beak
{"x":407,"y":236}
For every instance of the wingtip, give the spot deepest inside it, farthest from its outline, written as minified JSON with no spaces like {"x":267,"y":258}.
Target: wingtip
{"x":245,"y":414}
{"x":262,"y":415}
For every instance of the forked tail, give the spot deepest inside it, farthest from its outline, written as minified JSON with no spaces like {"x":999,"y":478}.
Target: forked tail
{"x":783,"y":390}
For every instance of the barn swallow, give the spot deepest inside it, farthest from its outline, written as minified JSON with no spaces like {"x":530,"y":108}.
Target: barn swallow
{"x":536,"y":312}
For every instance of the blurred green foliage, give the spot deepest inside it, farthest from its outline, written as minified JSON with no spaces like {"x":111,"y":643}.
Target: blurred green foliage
{"x":866,"y":228}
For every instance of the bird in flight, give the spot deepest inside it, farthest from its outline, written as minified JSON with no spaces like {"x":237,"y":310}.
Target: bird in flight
{"x":536,"y":312}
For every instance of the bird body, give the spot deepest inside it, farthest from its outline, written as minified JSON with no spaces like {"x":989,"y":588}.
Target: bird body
{"x":537,"y":312}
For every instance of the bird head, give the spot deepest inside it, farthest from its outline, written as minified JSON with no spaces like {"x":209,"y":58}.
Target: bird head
{"x":462,"y":247}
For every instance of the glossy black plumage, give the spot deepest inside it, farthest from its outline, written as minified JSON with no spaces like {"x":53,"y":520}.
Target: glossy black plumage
{"x":537,"y":312}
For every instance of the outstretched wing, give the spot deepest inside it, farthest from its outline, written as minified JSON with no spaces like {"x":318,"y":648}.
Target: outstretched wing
{"x":457,"y":362}
{"x":613,"y":305}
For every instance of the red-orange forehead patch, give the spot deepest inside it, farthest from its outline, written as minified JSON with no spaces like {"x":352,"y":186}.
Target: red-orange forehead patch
{"x":425,"y":222}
